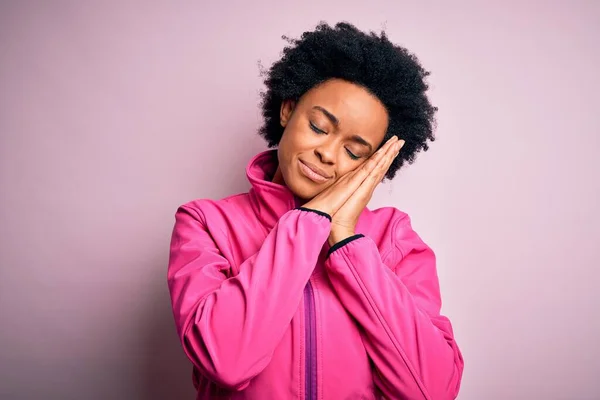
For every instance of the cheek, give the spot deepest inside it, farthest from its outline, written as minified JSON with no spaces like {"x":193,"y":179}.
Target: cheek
{"x":349,"y":166}
{"x":343,"y":170}
{"x":300,"y":137}
{"x":289,"y":145}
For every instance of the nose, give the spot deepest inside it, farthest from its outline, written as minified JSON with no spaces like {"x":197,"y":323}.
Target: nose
{"x":326,"y":153}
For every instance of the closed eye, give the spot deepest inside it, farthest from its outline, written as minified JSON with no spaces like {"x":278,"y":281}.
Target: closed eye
{"x":322,"y":132}
{"x":317,"y":130}
{"x":352,"y":156}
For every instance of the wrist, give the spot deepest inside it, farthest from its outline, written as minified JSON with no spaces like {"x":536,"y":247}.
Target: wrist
{"x":338,"y":235}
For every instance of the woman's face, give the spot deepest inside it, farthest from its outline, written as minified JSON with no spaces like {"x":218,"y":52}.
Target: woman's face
{"x":333,"y":129}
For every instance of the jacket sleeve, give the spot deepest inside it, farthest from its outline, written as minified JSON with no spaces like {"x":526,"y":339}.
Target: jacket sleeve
{"x":229,"y":326}
{"x":410,"y":343}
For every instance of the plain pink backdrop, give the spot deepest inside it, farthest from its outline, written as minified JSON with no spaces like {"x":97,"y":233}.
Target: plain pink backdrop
{"x":114,"y":113}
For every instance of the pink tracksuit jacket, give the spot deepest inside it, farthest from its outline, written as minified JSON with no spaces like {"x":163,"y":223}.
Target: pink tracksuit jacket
{"x":265,"y":309}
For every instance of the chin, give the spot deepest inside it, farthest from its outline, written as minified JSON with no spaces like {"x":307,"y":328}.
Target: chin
{"x":301,"y":187}
{"x":301,"y":190}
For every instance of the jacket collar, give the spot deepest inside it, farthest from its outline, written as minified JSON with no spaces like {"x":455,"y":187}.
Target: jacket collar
{"x":269,"y":200}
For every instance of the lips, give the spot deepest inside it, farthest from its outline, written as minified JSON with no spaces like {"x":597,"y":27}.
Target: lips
{"x":313,"y":172}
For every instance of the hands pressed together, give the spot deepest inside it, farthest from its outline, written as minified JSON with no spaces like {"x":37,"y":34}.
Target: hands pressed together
{"x":349,"y":195}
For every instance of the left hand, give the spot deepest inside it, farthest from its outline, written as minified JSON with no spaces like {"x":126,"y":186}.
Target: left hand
{"x":343,"y":222}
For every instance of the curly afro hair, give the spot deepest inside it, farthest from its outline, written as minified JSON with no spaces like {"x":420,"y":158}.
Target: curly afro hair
{"x":390,"y":72}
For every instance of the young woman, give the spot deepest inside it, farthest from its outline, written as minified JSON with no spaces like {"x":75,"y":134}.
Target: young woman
{"x":296,"y":290}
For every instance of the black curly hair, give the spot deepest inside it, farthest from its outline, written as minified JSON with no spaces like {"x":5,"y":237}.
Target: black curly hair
{"x":390,"y":72}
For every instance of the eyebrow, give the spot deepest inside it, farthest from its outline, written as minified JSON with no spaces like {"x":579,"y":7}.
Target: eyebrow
{"x":336,"y":123}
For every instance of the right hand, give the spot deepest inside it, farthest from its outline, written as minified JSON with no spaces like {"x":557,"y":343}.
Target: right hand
{"x":333,"y":198}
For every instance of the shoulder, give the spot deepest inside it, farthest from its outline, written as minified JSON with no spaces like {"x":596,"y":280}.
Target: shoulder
{"x":394,"y":229}
{"x":207,"y":207}
{"x":213,"y":213}
{"x":383,"y":221}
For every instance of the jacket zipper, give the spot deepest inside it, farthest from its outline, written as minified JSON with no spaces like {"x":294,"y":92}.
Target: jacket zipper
{"x":310,"y":334}
{"x":310,"y":374}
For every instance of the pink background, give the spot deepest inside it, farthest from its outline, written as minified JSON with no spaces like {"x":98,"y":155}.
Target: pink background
{"x":114,"y":113}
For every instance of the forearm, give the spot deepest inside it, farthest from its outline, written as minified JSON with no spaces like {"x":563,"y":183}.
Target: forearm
{"x":414,"y":353}
{"x":230,"y":327}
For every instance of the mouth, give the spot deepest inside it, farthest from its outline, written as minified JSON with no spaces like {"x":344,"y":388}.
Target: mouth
{"x":310,"y":172}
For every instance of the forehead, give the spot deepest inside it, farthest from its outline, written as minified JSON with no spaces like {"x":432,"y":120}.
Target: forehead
{"x":358,"y":111}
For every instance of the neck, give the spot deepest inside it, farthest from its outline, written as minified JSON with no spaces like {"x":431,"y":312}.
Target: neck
{"x":278,"y":178}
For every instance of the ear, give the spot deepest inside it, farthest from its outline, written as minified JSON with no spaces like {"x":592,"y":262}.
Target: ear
{"x":287,"y":109}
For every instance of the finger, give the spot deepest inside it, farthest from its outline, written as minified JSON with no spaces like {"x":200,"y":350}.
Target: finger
{"x":386,"y":162}
{"x":391,"y":153}
{"x":357,"y":177}
{"x":375,"y":176}
{"x":373,"y":161}
{"x":384,"y":149}
{"x":363,"y":182}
